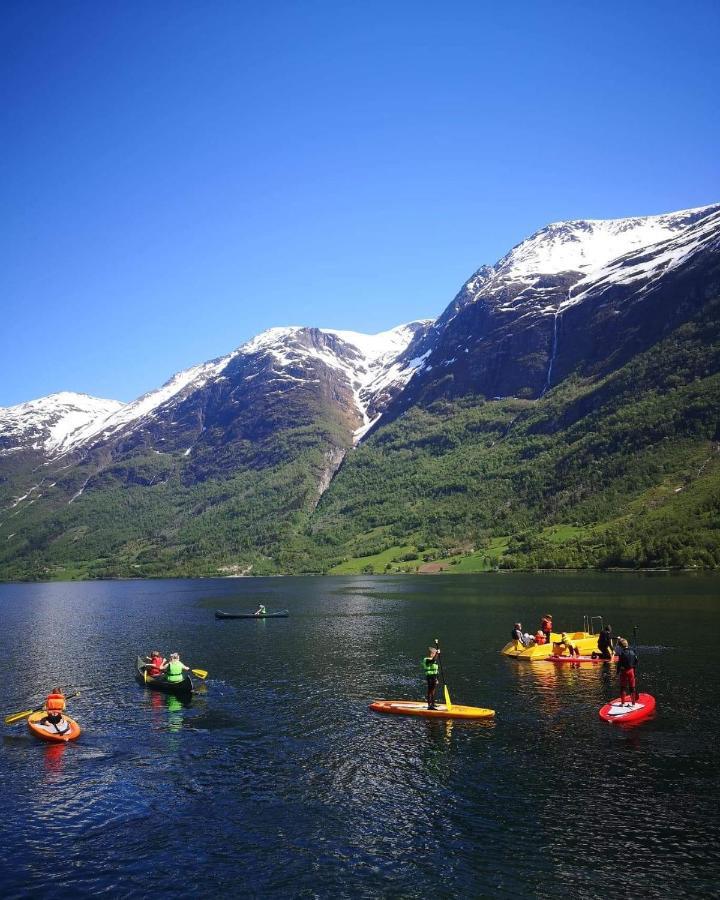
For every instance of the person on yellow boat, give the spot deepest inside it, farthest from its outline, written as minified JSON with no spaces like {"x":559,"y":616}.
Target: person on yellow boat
{"x":546,"y":626}
{"x":565,"y":644}
{"x":431,"y":667}
{"x":55,"y":707}
{"x":539,"y":638}
{"x":175,"y":669}
{"x":517,"y":635}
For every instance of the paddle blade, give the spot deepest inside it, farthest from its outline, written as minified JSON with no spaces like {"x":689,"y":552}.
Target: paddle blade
{"x":447,"y":697}
{"x":16,"y":717}
{"x":201,"y":673}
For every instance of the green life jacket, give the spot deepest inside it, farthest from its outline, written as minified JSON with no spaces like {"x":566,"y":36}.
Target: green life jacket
{"x":430,"y":666}
{"x":174,"y":671}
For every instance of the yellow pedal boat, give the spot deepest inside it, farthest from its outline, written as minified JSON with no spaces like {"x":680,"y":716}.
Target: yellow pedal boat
{"x":583,"y":640}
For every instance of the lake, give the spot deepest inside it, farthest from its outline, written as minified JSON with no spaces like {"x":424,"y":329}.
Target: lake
{"x":276,"y":780}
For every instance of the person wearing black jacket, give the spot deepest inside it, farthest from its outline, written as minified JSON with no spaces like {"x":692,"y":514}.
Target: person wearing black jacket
{"x":605,"y":644}
{"x":626,"y":668}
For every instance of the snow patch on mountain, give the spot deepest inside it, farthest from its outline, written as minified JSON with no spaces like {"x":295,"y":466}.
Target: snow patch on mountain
{"x":51,"y":423}
{"x":371,"y":363}
{"x":586,"y":245}
{"x":181,"y":384}
{"x":652,"y":263}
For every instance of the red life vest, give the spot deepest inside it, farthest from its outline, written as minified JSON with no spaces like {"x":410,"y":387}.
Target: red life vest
{"x":539,"y":638}
{"x":55,"y":702}
{"x":546,"y":624}
{"x":155,"y":664}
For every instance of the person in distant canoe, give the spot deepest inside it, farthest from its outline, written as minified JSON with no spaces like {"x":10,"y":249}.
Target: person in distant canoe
{"x":55,"y":706}
{"x":626,"y":667}
{"x":546,"y":626}
{"x":605,"y":643}
{"x":260,"y":611}
{"x":431,"y":667}
{"x":565,"y":646}
{"x":155,"y":663}
{"x":175,"y":669}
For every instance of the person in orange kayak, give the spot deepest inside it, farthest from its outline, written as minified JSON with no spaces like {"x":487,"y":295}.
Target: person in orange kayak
{"x":55,"y":707}
{"x":175,"y":669}
{"x":431,"y":666}
{"x":546,"y":626}
{"x":626,"y":667}
{"x":155,"y":662}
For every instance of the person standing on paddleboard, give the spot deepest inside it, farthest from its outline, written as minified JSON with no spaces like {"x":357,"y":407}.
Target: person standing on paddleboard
{"x":431,"y":667}
{"x":626,"y":667}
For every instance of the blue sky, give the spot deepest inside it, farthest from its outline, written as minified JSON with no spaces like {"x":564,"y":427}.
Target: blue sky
{"x":177,"y":176}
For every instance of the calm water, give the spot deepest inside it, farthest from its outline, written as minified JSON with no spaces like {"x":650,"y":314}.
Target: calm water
{"x":275,"y":780}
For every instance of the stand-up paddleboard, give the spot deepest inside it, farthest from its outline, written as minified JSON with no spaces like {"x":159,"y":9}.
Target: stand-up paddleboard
{"x":419,"y":708}
{"x":49,"y":733}
{"x":580,"y":659}
{"x":630,"y":712}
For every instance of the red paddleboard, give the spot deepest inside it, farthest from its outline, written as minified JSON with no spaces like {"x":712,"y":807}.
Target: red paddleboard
{"x":580,"y":659}
{"x":629,"y":713}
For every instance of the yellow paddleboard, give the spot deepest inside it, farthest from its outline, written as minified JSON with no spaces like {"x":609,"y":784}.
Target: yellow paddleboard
{"x":418,"y":708}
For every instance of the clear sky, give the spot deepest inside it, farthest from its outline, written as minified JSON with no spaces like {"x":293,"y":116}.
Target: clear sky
{"x":177,"y":176}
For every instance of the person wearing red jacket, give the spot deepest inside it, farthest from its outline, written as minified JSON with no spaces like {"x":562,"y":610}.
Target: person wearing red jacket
{"x":546,"y":627}
{"x":155,"y":663}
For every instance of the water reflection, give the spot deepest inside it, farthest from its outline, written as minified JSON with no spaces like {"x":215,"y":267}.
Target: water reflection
{"x":316,"y":795}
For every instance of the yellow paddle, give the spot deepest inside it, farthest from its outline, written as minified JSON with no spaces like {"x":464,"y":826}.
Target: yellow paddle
{"x":442,"y":675}
{"x":17,"y":717}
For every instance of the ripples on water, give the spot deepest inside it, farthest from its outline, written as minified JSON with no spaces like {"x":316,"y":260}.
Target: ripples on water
{"x":276,"y":780}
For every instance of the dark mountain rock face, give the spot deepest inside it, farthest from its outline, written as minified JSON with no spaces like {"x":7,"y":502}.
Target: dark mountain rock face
{"x":511,"y":332}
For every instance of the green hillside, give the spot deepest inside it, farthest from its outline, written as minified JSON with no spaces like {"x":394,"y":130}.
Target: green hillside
{"x":622,"y":471}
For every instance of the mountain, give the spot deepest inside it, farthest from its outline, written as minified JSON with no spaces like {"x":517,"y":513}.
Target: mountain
{"x":557,"y":389}
{"x":574,"y":297}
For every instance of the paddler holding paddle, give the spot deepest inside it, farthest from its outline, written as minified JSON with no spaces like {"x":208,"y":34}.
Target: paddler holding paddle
{"x":55,"y":706}
{"x":431,"y":666}
{"x":626,"y":666}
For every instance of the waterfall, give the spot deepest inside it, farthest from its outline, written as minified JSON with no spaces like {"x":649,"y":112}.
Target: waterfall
{"x":553,"y":352}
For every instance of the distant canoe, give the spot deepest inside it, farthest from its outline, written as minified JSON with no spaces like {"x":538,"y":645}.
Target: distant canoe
{"x":282,"y":614}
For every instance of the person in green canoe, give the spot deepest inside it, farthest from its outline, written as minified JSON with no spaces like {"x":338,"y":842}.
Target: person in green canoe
{"x":431,"y":666}
{"x":175,"y":669}
{"x":260,"y":611}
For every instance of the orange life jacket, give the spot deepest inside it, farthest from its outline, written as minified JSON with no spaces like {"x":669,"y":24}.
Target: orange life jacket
{"x":55,"y":702}
{"x":155,"y":664}
{"x":540,"y":638}
{"x":546,"y":624}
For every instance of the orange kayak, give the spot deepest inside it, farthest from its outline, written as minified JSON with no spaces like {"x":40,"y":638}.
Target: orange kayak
{"x":419,"y":708}
{"x":50,"y":734}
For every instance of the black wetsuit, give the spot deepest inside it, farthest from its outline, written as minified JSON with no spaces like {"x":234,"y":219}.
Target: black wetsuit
{"x":605,"y":644}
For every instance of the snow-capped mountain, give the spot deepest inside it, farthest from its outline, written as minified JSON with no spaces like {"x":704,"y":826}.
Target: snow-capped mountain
{"x":562,"y":301}
{"x":372,"y":368}
{"x":51,"y":425}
